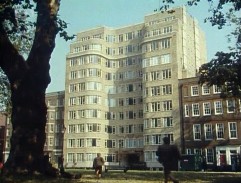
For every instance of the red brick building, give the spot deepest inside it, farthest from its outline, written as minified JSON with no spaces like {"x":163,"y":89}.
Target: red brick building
{"x":211,"y":126}
{"x":2,"y":134}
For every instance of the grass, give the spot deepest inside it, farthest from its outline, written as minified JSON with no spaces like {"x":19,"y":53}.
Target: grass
{"x":134,"y":177}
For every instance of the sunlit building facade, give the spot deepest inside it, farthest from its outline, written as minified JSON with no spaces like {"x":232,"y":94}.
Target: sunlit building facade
{"x":121,"y":94}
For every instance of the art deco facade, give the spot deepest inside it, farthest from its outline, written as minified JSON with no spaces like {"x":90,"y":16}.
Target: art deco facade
{"x":210,"y":125}
{"x":121,"y":95}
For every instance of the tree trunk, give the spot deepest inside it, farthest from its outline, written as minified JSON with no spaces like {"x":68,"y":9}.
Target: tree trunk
{"x":28,"y":126}
{"x":29,"y":80}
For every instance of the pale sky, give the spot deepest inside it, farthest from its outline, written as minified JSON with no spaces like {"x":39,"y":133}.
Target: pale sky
{"x":87,"y":14}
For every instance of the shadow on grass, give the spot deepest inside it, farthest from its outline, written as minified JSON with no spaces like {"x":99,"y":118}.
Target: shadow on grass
{"x":228,"y":180}
{"x":131,"y":177}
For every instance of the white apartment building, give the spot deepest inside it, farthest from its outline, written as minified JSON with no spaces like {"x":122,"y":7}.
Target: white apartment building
{"x":121,"y":95}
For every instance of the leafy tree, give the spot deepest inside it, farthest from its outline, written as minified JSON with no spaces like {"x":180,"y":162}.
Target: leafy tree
{"x":224,"y":70}
{"x":5,"y":102}
{"x":28,"y":76}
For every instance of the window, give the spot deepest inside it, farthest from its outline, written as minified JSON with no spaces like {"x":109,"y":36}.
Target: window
{"x":130,"y":115}
{"x":121,"y":115}
{"x":60,"y":102}
{"x":208,"y":131}
{"x":72,"y":114}
{"x":232,"y":130}
{"x":188,"y":151}
{"x":230,"y":106}
{"x":138,"y":128}
{"x":121,"y":143}
{"x":71,"y":143}
{"x":121,"y":102}
{"x":220,"y":130}
{"x":165,"y":59}
{"x":197,"y":131}
{"x":51,"y":141}
{"x":186,"y":110}
{"x":165,"y":43}
{"x":146,"y":123}
{"x":72,"y":101}
{"x":166,"y":74}
{"x":92,"y":113}
{"x":91,"y":142}
{"x":167,"y":29}
{"x":140,"y":113}
{"x":155,"y":90}
{"x":80,"y":157}
{"x":110,"y":158}
{"x":90,"y":156}
{"x":194,"y":91}
{"x":167,"y":121}
{"x":121,"y":129}
{"x":146,"y":107}
{"x":216,"y":89}
{"x":73,"y":62}
{"x":110,"y":143}
{"x":157,"y":139}
{"x":166,"y":89}
{"x":218,"y":107}
{"x":195,"y":109}
{"x":130,"y":88}
{"x":145,"y":91}
{"x":79,"y":142}
{"x":121,"y":39}
{"x":93,"y":127}
{"x":155,"y":106}
{"x":51,"y":128}
{"x":73,"y":75}
{"x":197,"y":151}
{"x":239,"y":105}
{"x":210,"y":156}
{"x":80,"y":128}
{"x":121,"y":50}
{"x":150,"y":156}
{"x":155,"y":122}
{"x":154,"y":46}
{"x":70,"y":157}
{"x":167,"y":105}
{"x":205,"y":90}
{"x":206,"y":108}
{"x":93,"y":99}
{"x":81,"y":100}
{"x":71,"y":129}
{"x":155,"y":75}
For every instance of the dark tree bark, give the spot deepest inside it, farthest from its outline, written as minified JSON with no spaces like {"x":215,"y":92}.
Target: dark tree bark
{"x":29,"y":79}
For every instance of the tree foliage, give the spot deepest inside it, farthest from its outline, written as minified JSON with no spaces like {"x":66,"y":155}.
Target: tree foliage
{"x":224,"y":70}
{"x":5,"y":93}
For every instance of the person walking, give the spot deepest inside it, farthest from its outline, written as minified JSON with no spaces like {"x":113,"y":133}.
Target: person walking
{"x":97,"y":165}
{"x":168,"y":156}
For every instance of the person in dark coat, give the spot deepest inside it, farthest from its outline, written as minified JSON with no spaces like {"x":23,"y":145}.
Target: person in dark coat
{"x":168,"y":155}
{"x":97,"y":165}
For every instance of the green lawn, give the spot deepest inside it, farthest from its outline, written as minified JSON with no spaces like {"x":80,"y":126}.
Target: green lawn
{"x":135,"y":177}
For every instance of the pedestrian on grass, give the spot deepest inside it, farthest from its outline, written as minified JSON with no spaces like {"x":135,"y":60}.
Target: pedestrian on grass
{"x":97,"y":165}
{"x":168,"y":156}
